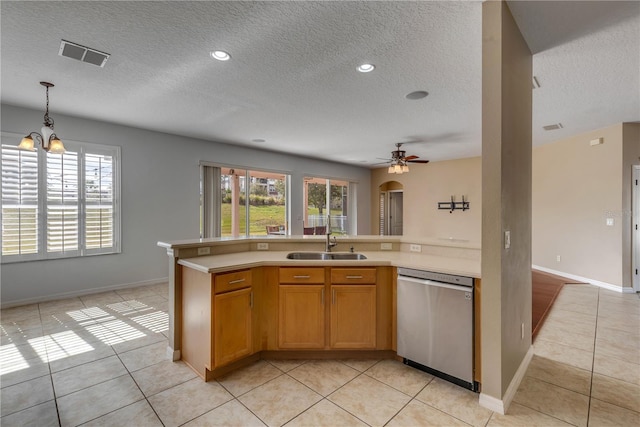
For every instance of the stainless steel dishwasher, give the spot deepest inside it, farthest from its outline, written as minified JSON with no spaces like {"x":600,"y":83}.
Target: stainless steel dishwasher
{"x":435,"y":324}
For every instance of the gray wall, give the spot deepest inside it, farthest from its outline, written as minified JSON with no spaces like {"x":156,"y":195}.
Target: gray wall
{"x":160,"y":202}
{"x":506,"y":200}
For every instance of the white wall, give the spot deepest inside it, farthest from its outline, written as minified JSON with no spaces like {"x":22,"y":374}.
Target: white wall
{"x":160,"y":202}
{"x":576,"y":187}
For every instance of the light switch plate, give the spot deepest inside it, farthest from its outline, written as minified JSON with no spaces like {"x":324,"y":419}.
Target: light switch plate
{"x":610,"y":222}
{"x":507,"y":239}
{"x":204,"y":251}
{"x":263,"y":246}
{"x":415,"y":248}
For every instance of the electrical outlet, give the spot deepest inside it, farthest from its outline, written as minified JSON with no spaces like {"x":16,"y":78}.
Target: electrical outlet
{"x":610,"y":222}
{"x":415,"y":248}
{"x":507,"y":239}
{"x":558,"y":258}
{"x":386,"y":246}
{"x":263,"y":246}
{"x":204,"y":251}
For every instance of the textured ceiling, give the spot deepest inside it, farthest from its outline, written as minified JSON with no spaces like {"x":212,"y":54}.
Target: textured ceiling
{"x":292,"y":79}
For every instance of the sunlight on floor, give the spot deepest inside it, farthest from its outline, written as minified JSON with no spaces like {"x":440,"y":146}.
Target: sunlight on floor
{"x":58,"y":346}
{"x":109,"y":328}
{"x":11,"y":359}
{"x":158,"y":321}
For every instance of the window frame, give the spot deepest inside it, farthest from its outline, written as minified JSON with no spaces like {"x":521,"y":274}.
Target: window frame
{"x":82,"y":149}
{"x":211,"y":198}
{"x":352,"y":199}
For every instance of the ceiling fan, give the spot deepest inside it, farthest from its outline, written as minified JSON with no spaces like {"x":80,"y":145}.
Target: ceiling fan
{"x":399,"y":160}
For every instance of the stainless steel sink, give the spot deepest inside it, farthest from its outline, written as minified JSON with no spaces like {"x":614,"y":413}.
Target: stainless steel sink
{"x":325,"y":256}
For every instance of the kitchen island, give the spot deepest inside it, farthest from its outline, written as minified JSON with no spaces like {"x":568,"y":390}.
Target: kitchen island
{"x":233,"y":301}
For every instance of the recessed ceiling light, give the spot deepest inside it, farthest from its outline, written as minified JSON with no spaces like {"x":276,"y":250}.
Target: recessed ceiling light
{"x":220,"y":55}
{"x":366,"y":68}
{"x":418,"y":94}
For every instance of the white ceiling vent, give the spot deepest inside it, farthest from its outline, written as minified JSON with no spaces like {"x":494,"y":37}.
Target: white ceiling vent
{"x":83,"y":53}
{"x":552,"y":127}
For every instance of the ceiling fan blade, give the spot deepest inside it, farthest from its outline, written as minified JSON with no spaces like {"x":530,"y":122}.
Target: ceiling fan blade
{"x":381,"y":163}
{"x":418,"y":161}
{"x":409,"y":158}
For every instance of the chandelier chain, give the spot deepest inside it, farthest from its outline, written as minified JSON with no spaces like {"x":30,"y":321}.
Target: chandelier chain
{"x":48,"y":121}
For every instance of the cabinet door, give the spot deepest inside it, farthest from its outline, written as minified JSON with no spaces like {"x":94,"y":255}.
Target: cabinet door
{"x":353,"y":316}
{"x":301,"y":316}
{"x":232,"y":322}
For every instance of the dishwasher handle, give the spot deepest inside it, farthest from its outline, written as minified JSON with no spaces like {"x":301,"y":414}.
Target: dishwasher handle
{"x":427,"y":282}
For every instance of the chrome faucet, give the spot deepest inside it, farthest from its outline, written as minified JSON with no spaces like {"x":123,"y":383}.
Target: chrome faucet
{"x":329,"y":244}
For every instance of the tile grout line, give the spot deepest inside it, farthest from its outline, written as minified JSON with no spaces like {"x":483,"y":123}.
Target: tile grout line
{"x":46,"y":352}
{"x":593,"y":359}
{"x":141,"y":392}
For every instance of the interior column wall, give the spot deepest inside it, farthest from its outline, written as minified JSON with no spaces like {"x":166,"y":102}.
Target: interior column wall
{"x":506,"y":202}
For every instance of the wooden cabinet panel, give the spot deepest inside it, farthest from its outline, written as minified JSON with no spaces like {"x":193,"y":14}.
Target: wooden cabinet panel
{"x":197,"y":325}
{"x":301,"y":275}
{"x":353,"y":276}
{"x":231,"y":281}
{"x":301,"y":319}
{"x":353,"y":316}
{"x":233,"y":319}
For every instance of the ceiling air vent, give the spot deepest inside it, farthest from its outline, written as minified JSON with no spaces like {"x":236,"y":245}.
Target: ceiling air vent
{"x":83,"y":53}
{"x":552,"y":127}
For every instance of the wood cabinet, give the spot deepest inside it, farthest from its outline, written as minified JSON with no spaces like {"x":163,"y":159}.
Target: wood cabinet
{"x":353,"y":308}
{"x":217,"y":318}
{"x":307,"y":319}
{"x":232,"y":323}
{"x":233,"y":318}
{"x":301,"y":308}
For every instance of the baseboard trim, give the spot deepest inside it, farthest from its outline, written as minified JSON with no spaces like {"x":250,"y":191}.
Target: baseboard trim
{"x":172,"y":354}
{"x":501,"y":406}
{"x":605,"y":285}
{"x":73,"y":294}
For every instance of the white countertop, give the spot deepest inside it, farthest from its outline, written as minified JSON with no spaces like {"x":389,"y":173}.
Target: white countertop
{"x":440,"y":264}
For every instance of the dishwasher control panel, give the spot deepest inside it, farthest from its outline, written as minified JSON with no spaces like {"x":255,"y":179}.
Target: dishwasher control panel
{"x":437,"y":277}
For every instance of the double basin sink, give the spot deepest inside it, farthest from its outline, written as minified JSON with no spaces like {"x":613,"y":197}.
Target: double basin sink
{"x":325,"y":256}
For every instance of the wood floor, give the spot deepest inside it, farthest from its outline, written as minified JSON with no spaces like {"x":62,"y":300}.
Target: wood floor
{"x":545,"y":288}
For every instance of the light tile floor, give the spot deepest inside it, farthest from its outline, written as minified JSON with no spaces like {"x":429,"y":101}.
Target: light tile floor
{"x":99,"y":360}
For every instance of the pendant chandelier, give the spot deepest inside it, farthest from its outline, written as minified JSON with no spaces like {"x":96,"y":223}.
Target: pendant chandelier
{"x":47,"y":139}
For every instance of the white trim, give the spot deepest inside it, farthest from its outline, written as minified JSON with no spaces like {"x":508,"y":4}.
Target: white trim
{"x":501,"y":406}
{"x":605,"y":285}
{"x":635,"y":233}
{"x":73,"y":294}
{"x":172,"y":354}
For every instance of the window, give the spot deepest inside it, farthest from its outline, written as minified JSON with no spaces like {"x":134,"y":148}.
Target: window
{"x":320,"y":193}
{"x":59,"y":205}
{"x":241,"y":202}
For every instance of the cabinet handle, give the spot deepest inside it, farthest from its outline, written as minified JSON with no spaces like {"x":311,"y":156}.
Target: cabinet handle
{"x":322,"y":296}
{"x":301,"y":277}
{"x":251,"y":299}
{"x":353,"y":277}
{"x":233,"y":282}
{"x":333,"y":296}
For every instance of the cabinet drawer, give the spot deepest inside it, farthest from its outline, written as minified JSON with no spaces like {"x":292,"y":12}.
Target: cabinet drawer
{"x":353,"y":276}
{"x":231,"y":281}
{"x":301,"y":275}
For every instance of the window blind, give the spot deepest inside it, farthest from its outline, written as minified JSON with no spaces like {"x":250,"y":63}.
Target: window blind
{"x":56,"y":205}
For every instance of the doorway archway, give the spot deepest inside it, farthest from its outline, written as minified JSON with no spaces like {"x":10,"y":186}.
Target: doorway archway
{"x":390,"y":205}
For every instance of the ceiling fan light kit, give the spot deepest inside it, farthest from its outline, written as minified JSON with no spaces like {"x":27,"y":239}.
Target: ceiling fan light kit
{"x":399,"y":160}
{"x":47,"y":139}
